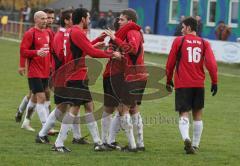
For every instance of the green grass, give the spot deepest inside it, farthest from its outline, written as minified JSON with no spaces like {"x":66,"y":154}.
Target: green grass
{"x":220,"y":140}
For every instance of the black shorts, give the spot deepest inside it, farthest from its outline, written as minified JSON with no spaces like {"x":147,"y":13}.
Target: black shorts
{"x":78,"y":92}
{"x":37,"y":85}
{"x":112,"y":87}
{"x":187,"y":99}
{"x":59,"y":99}
{"x":133,"y":93}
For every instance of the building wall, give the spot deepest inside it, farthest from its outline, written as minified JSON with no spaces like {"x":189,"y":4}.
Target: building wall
{"x":146,"y":10}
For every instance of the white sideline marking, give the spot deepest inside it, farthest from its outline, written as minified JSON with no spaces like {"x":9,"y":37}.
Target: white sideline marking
{"x":147,"y":62}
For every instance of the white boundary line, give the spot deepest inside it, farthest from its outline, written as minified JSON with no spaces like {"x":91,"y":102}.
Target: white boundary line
{"x":147,"y":62}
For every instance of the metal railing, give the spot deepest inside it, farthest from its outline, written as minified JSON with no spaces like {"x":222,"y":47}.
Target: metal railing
{"x":16,"y":29}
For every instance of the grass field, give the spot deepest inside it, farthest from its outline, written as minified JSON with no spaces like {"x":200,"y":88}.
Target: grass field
{"x":220,"y":140}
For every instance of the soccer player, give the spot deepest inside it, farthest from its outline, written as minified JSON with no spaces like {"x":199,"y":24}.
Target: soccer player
{"x":50,"y":21}
{"x":188,"y":55}
{"x":61,"y":103}
{"x":22,"y":68}
{"x":129,"y":38}
{"x":78,"y":47}
{"x":35,"y":48}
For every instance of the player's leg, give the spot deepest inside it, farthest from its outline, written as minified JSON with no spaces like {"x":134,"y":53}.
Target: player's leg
{"x":115,"y":127}
{"x":197,"y":128}
{"x":183,"y":104}
{"x":66,"y":126}
{"x":47,"y":102}
{"x":137,"y":126}
{"x":198,"y":105}
{"x":105,"y":122}
{"x":31,"y":107}
{"x":138,"y":88}
{"x":93,"y":127}
{"x":22,"y":107}
{"x":77,"y":135}
{"x":56,"y":114}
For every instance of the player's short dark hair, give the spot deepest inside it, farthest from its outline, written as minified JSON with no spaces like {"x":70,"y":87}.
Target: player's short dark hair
{"x":131,"y":14}
{"x":49,"y":10}
{"x":192,"y":22}
{"x":78,"y":14}
{"x":65,"y":15}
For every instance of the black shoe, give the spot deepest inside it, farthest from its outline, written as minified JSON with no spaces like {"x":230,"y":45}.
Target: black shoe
{"x":18,"y":116}
{"x":61,"y":149}
{"x":114,"y":146}
{"x":42,"y":140}
{"x":82,"y":141}
{"x":188,"y":147}
{"x":99,"y":147}
{"x":142,"y":149}
{"x":128,"y":149}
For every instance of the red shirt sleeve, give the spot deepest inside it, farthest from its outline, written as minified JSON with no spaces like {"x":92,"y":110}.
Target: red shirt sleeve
{"x":81,"y":41}
{"x":25,"y":46}
{"x":171,"y":62}
{"x":210,"y":63}
{"x":22,"y":61}
{"x":98,"y":39}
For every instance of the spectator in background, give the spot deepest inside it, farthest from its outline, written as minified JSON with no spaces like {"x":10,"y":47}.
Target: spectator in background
{"x":26,"y":13}
{"x":222,"y":31}
{"x":199,"y":26}
{"x":147,"y":30}
{"x":102,"y":23}
{"x":94,"y":18}
{"x":178,"y":31}
{"x":110,"y":20}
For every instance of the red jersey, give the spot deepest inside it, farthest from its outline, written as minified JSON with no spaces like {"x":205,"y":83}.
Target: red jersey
{"x":195,"y":52}
{"x":33,"y":40}
{"x":58,"y":48}
{"x":78,"y":46}
{"x":133,"y":61}
{"x":113,"y":66}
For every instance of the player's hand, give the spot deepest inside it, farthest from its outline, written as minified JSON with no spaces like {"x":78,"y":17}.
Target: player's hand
{"x":117,"y":55}
{"x":22,"y":71}
{"x":214,"y":89}
{"x":103,"y":35}
{"x":110,"y":33}
{"x":169,"y":86}
{"x":42,"y":52}
{"x":99,"y":45}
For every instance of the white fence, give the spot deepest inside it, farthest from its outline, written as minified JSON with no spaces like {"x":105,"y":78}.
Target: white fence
{"x":228,"y":52}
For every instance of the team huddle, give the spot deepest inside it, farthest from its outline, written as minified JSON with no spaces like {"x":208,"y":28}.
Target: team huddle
{"x":57,"y":62}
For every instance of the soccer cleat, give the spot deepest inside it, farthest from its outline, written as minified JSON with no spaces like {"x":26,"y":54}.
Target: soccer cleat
{"x":18,"y":116}
{"x":27,"y":127}
{"x":128,"y":149}
{"x":53,"y":132}
{"x":99,"y":147}
{"x":188,"y":147}
{"x":42,"y":140}
{"x":141,"y":149}
{"x":114,"y":146}
{"x":61,"y":149}
{"x":82,"y":141}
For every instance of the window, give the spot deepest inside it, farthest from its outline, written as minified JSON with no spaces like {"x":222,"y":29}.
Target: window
{"x":233,"y":13}
{"x":211,"y":13}
{"x":173,"y":16}
{"x":194,"y":8}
